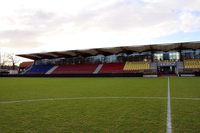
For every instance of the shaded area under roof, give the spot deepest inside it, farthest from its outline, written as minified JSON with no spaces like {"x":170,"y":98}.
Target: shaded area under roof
{"x":112,"y":50}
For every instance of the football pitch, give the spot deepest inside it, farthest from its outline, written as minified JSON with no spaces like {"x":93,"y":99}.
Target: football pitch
{"x":139,"y":105}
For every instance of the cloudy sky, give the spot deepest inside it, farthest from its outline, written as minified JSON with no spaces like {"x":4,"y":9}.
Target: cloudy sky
{"x":28,"y":26}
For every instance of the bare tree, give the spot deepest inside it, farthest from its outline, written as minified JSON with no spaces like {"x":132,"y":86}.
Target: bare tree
{"x":7,"y":60}
{"x":4,"y":60}
{"x":12,"y":59}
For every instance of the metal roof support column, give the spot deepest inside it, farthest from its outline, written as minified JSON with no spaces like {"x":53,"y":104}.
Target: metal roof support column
{"x":152,"y":56}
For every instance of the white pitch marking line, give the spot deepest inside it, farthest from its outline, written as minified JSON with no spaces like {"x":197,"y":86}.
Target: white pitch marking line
{"x":82,"y":98}
{"x":169,"y":124}
{"x":186,"y":98}
{"x":77,"y":98}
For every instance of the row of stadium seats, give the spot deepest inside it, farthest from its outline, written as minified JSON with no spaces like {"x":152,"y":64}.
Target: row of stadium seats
{"x":39,"y":69}
{"x":75,"y":69}
{"x":89,"y":68}
{"x":112,"y":68}
{"x":129,"y":66}
{"x":192,"y":63}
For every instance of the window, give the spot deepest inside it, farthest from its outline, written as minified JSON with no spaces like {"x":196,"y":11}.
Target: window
{"x":158,"y":56}
{"x":174,"y":56}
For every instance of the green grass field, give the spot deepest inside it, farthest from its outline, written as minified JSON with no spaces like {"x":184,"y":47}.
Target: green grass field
{"x":54,"y":105}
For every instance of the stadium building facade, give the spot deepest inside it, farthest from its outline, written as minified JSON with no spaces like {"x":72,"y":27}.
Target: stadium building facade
{"x":146,"y":60}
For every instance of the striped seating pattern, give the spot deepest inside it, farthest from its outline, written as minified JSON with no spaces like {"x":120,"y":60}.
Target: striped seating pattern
{"x":90,"y":68}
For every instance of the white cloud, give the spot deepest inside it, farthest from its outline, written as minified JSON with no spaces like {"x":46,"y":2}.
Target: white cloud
{"x":189,"y":22}
{"x":38,"y":25}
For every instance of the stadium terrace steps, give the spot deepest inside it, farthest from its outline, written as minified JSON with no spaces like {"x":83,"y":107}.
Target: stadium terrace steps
{"x":51,"y":70}
{"x":128,"y":67}
{"x":192,"y":63}
{"x":180,"y":67}
{"x":153,"y":66}
{"x":98,"y":68}
{"x":39,"y":69}
{"x":112,"y":68}
{"x":27,"y":69}
{"x":76,"y":69}
{"x":131,"y":66}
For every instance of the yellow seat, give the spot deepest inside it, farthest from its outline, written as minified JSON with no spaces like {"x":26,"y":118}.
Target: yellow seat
{"x":192,"y":63}
{"x":136,"y":66}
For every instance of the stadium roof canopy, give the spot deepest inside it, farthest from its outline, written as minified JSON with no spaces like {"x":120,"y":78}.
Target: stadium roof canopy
{"x":112,"y":50}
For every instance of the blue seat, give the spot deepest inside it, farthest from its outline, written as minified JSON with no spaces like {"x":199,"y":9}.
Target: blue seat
{"x":39,"y":69}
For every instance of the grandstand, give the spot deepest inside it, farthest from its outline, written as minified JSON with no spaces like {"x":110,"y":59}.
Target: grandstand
{"x":146,"y":60}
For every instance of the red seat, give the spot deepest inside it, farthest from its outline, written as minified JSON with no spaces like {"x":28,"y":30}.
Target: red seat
{"x":112,"y":68}
{"x":75,"y":69}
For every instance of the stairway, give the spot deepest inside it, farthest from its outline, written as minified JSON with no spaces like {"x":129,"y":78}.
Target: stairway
{"x":29,"y":68}
{"x":180,"y":66}
{"x":98,"y":69}
{"x":51,"y":70}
